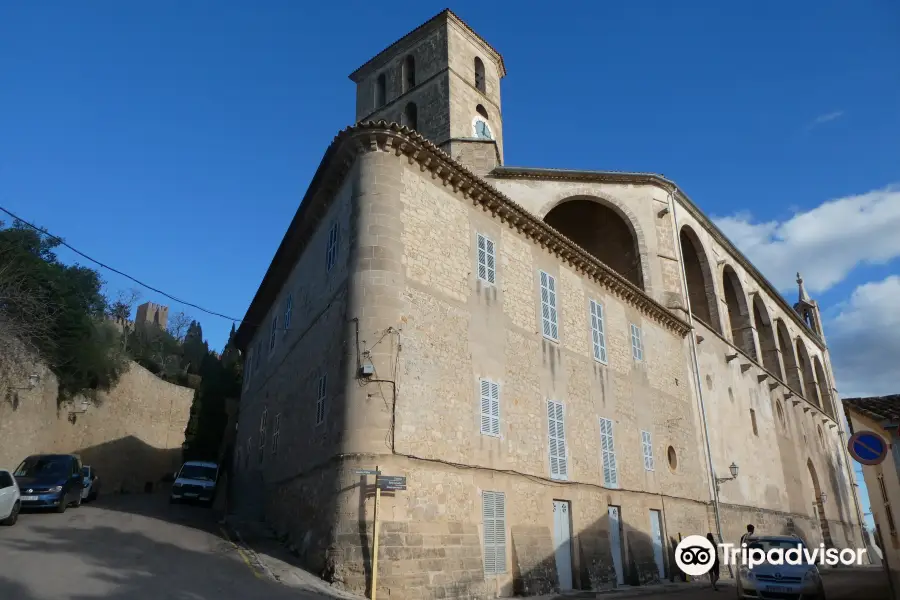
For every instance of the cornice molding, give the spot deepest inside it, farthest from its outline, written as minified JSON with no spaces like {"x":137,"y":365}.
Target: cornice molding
{"x":404,"y":142}
{"x":669,"y":186}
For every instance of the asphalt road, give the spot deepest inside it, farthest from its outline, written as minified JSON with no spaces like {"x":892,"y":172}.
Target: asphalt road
{"x":141,"y":548}
{"x":128,"y":548}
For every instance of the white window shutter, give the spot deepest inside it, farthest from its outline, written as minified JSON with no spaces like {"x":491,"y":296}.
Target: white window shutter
{"x":647,"y":446}
{"x":559,"y":467}
{"x":549,"y":322}
{"x":608,"y":451}
{"x":493,"y":505}
{"x":486,"y":260}
{"x":597,"y":333}
{"x":485,"y":407}
{"x":495,"y":409}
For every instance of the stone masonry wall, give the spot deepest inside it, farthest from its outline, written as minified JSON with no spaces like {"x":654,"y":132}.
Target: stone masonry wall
{"x":132,"y":435}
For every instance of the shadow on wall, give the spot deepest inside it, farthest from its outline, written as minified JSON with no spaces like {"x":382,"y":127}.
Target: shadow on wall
{"x":129,"y":465}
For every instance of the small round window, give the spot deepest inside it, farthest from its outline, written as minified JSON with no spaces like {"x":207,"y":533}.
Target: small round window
{"x":673,"y":458}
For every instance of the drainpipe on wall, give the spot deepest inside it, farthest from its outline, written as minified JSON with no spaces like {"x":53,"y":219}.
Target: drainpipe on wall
{"x":696,"y":365}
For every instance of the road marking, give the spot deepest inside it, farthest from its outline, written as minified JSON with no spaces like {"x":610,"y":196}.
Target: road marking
{"x":241,"y":552}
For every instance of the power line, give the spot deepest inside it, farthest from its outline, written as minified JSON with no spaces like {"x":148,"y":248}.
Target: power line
{"x":114,"y":270}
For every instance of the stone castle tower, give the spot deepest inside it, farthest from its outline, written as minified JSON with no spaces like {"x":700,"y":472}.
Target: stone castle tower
{"x":443,"y":80}
{"x":150,"y":312}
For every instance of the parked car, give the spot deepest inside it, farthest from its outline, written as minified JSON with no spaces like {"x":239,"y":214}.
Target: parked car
{"x":10,"y":504}
{"x":50,"y":481}
{"x":195,"y":482}
{"x":779,"y":581}
{"x":91,"y":483}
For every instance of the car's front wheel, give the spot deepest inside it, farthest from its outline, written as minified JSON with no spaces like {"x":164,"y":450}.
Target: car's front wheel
{"x":13,"y":516}
{"x":63,"y":504}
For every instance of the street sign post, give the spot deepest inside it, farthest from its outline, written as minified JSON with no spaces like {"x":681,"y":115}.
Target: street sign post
{"x":391,"y":483}
{"x":867,"y":447}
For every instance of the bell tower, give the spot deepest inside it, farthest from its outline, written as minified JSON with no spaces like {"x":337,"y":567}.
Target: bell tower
{"x":808,"y":309}
{"x":443,"y":80}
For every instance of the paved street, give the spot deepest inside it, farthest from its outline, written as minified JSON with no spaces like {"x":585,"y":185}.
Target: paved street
{"x":141,"y":548}
{"x":129,"y":548}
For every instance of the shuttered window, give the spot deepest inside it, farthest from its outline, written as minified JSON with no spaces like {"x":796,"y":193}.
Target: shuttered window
{"x":486,"y":260}
{"x":597,"y":335}
{"x":320,"y":400}
{"x":331,"y":251}
{"x":637,"y":344}
{"x":559,"y":467}
{"x":608,"y":452}
{"x":490,"y":408}
{"x":647,"y":447}
{"x":288,"y":312}
{"x":263,"y":425}
{"x":276,"y":433}
{"x":272,"y":336}
{"x":493,"y":508}
{"x":548,"y":307}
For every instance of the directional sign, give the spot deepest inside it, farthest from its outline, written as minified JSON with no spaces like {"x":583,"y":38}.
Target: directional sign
{"x":367,"y":472}
{"x":867,"y":447}
{"x":390,"y":483}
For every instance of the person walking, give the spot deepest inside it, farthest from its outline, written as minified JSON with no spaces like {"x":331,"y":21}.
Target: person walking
{"x":714,"y":571}
{"x":750,"y":530}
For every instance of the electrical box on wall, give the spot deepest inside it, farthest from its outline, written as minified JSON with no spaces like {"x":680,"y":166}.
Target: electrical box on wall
{"x":366,"y":370}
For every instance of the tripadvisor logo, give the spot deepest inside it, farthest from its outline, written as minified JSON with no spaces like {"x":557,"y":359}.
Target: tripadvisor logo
{"x":695,"y":555}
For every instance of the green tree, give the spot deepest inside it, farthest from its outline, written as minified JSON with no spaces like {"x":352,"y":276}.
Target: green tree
{"x":68,"y":329}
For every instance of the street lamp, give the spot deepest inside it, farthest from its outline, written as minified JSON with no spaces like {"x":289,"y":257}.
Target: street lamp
{"x":823,"y":496}
{"x":734,"y":473}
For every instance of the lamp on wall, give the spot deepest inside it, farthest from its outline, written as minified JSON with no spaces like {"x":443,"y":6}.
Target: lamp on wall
{"x":33,"y":380}
{"x":734,"y":473}
{"x":823,"y":497}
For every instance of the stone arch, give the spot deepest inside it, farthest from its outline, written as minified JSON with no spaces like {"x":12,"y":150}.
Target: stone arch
{"x":601,"y":229}
{"x":408,"y":73}
{"x":700,"y":280}
{"x":792,"y":376}
{"x":410,"y":116}
{"x":479,"y":75}
{"x":807,"y":378}
{"x":817,"y":504}
{"x":738,"y":312}
{"x":824,"y":391}
{"x":767,"y":345}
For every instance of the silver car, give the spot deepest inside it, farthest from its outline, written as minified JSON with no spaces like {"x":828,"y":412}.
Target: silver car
{"x":769,"y":581}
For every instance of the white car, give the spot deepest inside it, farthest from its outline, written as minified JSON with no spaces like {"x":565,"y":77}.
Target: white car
{"x":779,"y":581}
{"x":195,"y":482}
{"x":91,"y":483}
{"x":10,"y":499}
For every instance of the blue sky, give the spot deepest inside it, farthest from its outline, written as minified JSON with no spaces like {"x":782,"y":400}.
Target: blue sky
{"x":174,"y":140}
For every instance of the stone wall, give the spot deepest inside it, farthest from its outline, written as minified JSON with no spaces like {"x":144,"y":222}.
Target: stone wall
{"x":132,"y":434}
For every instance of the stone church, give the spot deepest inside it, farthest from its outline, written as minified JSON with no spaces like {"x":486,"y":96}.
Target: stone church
{"x":571,"y":369}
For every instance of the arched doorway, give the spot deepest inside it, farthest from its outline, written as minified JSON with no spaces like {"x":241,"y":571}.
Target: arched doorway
{"x":699,"y":277}
{"x":602,"y":232}
{"x":818,"y":506}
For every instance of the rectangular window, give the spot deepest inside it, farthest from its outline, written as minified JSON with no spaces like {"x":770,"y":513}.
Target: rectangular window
{"x":486,"y":260}
{"x":320,"y":401}
{"x":637,"y":344}
{"x":559,"y":467}
{"x":248,"y":369}
{"x":272,"y":336}
{"x":276,"y":431}
{"x":647,"y":446}
{"x":490,"y":408}
{"x":753,"y":422}
{"x":263,"y":425}
{"x":288,"y":312}
{"x":597,"y":335}
{"x":493,"y":510}
{"x":608,"y":452}
{"x":332,"y":248}
{"x":548,"y":307}
{"x":259,"y":353}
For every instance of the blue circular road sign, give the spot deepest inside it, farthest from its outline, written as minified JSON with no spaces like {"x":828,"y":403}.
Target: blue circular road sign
{"x":867,"y":447}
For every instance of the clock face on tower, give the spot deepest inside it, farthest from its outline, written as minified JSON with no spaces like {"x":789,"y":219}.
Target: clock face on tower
{"x":482,"y":130}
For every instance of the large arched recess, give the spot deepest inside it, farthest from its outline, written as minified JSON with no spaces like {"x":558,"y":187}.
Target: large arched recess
{"x":767,"y":345}
{"x":792,"y":376}
{"x":699,"y":275}
{"x":824,"y":392}
{"x":738,"y":312}
{"x":806,"y":372}
{"x":603,"y":232}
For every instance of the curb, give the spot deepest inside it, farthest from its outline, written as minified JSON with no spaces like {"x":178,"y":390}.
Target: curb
{"x":247,"y":553}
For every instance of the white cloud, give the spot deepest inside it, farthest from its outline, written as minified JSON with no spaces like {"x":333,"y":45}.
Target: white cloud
{"x":864,"y":339}
{"x":826,"y":118}
{"x":824,"y":243}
